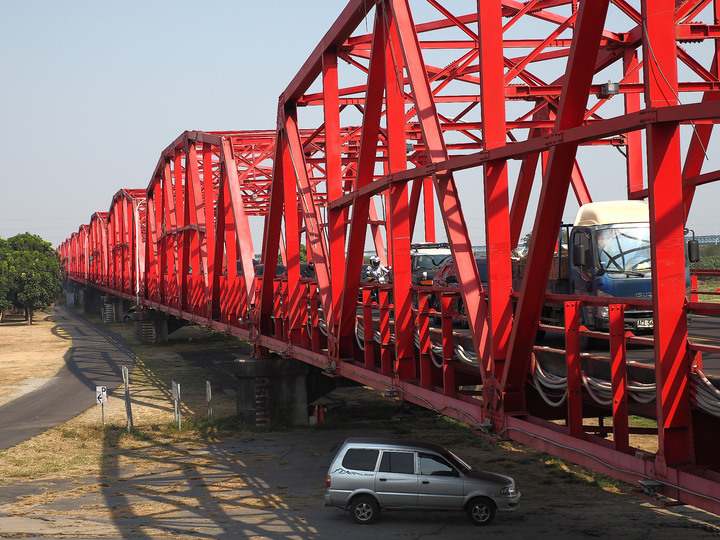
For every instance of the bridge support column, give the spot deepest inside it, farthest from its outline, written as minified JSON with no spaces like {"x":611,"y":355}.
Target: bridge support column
{"x":151,"y":327}
{"x":272,"y":391}
{"x":112,"y":309}
{"x":91,"y":300}
{"x":69,"y":289}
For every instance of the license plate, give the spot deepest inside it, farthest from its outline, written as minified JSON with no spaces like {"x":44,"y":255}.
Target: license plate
{"x":645,"y":323}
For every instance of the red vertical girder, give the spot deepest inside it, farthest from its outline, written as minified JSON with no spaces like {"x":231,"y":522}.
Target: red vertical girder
{"x":556,"y":181}
{"x":179,"y":270}
{"x":151,"y":255}
{"x":497,"y":231}
{"x":423,"y":323}
{"x":448,"y":344}
{"x":428,"y":208}
{"x":271,"y":236}
{"x":634,"y":167}
{"x":242,"y":233}
{"x":406,"y":369}
{"x":573,"y":369}
{"x":667,"y":217}
{"x":618,"y":365}
{"x":398,"y":227}
{"x":368,"y":329}
{"x":452,"y":93}
{"x":194,"y":221}
{"x":333,"y":165}
{"x":292,"y":233}
{"x":207,"y":247}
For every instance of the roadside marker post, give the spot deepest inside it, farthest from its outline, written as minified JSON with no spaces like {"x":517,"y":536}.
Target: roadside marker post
{"x":176,"y":400}
{"x":128,"y":407}
{"x":101,"y":397}
{"x":208,"y":394}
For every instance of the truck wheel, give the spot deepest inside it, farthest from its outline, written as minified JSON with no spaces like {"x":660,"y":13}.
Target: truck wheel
{"x":364,"y":509}
{"x":435,"y":305}
{"x":464,"y":323}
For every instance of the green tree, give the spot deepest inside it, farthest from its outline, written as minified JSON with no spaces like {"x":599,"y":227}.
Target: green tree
{"x":29,"y":274}
{"x":5,"y":303}
{"x":303,"y":254}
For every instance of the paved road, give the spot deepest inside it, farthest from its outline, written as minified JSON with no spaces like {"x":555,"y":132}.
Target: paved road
{"x":96,"y":359}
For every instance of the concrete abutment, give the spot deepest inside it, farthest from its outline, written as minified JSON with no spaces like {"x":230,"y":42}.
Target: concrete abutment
{"x":272,"y":391}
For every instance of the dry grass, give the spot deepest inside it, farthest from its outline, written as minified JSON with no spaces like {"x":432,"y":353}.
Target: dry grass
{"x":42,"y":346}
{"x":708,"y":286}
{"x":88,"y":446}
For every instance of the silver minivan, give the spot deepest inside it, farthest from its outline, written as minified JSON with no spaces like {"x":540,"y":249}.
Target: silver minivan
{"x":370,"y":474}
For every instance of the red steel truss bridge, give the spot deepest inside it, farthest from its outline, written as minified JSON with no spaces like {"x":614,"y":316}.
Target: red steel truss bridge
{"x":401,"y":107}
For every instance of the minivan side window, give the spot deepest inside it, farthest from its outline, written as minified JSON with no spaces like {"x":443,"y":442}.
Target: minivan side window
{"x":435,"y":465}
{"x":360,"y":459}
{"x":398,"y":462}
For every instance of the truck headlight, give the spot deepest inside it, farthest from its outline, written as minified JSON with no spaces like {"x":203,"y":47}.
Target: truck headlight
{"x":603,"y":311}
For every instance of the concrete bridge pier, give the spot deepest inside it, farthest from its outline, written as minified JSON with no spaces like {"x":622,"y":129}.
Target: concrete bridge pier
{"x":272,"y":391}
{"x":151,"y":326}
{"x":91,"y":299}
{"x":112,"y":309}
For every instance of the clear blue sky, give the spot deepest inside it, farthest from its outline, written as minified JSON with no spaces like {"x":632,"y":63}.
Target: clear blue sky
{"x":93,"y":91}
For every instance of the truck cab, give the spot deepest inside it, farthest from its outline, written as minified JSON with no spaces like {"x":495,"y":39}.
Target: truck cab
{"x":609,"y":255}
{"x":425,"y":261}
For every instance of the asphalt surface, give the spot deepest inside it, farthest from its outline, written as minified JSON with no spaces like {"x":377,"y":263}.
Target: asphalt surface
{"x":96,"y":359}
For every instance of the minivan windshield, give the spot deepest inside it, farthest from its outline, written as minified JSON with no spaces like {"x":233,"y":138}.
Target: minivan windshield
{"x":623,"y":250}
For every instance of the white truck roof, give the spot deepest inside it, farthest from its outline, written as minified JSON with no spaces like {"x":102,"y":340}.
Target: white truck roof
{"x":607,"y":212}
{"x":430,"y":249}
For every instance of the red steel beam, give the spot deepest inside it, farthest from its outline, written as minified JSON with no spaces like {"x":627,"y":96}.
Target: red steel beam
{"x":556,"y":181}
{"x":497,"y":229}
{"x":415,"y":121}
{"x":667,"y":217}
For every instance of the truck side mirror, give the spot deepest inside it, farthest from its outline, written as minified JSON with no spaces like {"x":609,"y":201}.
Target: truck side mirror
{"x":580,"y":255}
{"x":693,"y":248}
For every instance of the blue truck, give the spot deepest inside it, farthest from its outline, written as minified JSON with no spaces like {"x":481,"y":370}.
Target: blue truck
{"x":607,"y":255}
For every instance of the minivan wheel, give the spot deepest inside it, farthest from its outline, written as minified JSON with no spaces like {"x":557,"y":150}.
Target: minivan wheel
{"x":481,"y":511}
{"x":364,"y":509}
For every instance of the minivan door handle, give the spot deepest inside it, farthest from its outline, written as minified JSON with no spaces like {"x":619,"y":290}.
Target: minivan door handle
{"x":426,"y":481}
{"x":383,"y":479}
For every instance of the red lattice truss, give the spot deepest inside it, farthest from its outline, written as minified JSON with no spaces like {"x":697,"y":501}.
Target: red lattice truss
{"x":374,"y":134}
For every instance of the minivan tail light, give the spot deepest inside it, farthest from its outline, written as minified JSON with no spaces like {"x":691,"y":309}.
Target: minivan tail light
{"x":327,"y":481}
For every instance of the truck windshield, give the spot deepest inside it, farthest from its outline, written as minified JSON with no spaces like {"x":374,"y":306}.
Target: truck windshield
{"x":429,"y":261}
{"x":623,"y":250}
